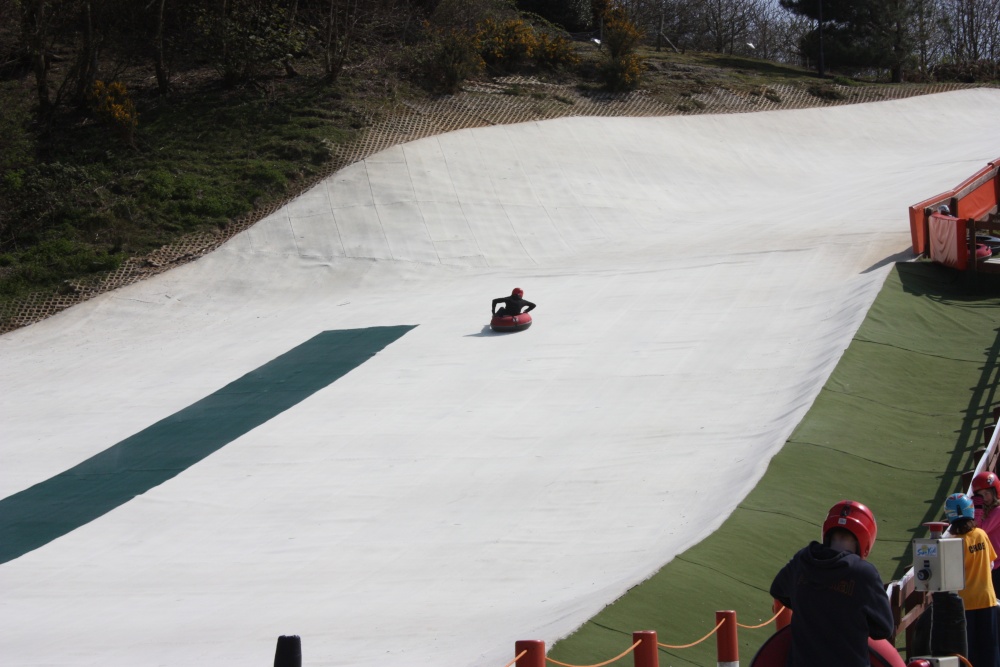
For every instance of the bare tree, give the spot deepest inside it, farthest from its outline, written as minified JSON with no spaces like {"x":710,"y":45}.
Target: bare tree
{"x":971,"y":29}
{"x":341,"y":25}
{"x":35,"y":25}
{"x":775,"y":32}
{"x":160,"y":58}
{"x":726,"y":23}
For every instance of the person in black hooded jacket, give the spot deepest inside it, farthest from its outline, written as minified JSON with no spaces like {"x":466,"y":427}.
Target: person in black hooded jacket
{"x":512,"y":305}
{"x":836,"y":596}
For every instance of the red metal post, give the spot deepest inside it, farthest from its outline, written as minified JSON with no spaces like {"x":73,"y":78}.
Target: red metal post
{"x":646,"y":653}
{"x":726,"y":639}
{"x":535,"y":656}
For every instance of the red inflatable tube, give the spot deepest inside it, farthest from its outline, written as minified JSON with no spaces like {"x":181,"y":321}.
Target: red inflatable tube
{"x":510,"y":323}
{"x":774,"y":652}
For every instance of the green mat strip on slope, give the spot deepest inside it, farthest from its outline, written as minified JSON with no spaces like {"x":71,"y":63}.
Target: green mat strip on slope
{"x":894,"y":427}
{"x":61,"y":504}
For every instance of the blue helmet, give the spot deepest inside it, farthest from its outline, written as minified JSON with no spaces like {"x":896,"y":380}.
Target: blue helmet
{"x":958,"y":506}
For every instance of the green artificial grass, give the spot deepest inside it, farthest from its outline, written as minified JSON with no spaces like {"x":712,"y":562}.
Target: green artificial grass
{"x":895,"y":426}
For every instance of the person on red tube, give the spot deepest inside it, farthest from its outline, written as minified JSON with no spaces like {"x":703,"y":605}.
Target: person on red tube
{"x":513,"y":304}
{"x":836,"y":596}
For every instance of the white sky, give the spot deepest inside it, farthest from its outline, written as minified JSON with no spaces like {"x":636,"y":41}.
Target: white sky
{"x":697,"y":279}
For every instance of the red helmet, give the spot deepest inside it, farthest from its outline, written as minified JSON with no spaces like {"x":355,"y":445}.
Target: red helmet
{"x":986,"y":480}
{"x":856,"y":519}
{"x":518,"y":292}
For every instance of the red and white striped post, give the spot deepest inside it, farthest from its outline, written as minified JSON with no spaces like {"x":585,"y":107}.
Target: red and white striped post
{"x":534,"y":652}
{"x":646,"y":653}
{"x":726,"y":639}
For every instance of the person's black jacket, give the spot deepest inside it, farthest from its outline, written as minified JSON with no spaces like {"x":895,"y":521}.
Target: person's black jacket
{"x":838,"y":601}
{"x":512,"y":305}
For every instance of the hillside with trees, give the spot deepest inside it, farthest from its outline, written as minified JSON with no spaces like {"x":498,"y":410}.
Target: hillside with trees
{"x":126,"y":127}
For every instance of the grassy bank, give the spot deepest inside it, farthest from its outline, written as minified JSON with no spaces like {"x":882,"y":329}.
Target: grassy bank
{"x":78,"y":199}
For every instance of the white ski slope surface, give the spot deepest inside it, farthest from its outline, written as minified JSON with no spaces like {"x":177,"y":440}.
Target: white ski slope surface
{"x":697,"y":279}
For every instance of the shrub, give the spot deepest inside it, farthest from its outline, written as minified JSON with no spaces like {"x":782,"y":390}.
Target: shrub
{"x":454,"y":58}
{"x":112,"y":104}
{"x":554,"y":51}
{"x":505,"y":46}
{"x":621,"y":36}
{"x":247,"y":38}
{"x":622,"y":73}
{"x":621,"y":68}
{"x":967,"y":72}
{"x":49,"y":261}
{"x":159,"y":183}
{"x":825,"y":93}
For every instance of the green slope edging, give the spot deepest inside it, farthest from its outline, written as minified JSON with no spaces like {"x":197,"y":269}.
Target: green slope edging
{"x":895,"y":426}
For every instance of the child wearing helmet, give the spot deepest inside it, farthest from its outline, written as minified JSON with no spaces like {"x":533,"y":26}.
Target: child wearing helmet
{"x":513,"y":304}
{"x":836,"y":596}
{"x":978,"y":595}
{"x":986,"y":500}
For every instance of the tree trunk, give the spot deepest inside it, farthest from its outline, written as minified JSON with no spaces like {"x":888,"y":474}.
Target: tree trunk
{"x":87,"y":60}
{"x":35,"y":28}
{"x":162,"y":80}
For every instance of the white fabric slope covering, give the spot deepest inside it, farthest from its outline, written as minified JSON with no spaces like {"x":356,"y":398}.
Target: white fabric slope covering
{"x":697,"y":279}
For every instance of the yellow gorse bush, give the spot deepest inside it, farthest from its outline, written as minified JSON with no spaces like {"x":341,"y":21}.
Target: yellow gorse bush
{"x":621,"y":69}
{"x":622,"y":73}
{"x":501,"y":45}
{"x":511,"y":44}
{"x":505,"y":45}
{"x":621,"y":35}
{"x":554,"y":51}
{"x":111,"y":103}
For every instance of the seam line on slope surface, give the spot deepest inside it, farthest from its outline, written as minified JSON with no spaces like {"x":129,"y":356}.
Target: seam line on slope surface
{"x":918,"y":352}
{"x":785,"y":515}
{"x":841,"y":392}
{"x":721,"y":572}
{"x":863,"y":458}
{"x":611,"y":629}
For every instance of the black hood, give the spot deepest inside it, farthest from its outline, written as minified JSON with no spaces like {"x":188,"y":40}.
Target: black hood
{"x":828,"y":563}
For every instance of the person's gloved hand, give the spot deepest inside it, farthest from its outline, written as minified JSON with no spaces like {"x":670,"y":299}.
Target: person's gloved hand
{"x":977,"y":501}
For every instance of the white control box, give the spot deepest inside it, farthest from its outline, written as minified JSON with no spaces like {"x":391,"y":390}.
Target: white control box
{"x":948,"y":661}
{"x":939,"y":564}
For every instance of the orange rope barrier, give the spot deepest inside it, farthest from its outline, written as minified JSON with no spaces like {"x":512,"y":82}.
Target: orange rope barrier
{"x":697,"y":642}
{"x":962,"y":658}
{"x":754,"y":627}
{"x":600,"y":664}
{"x":519,"y":656}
